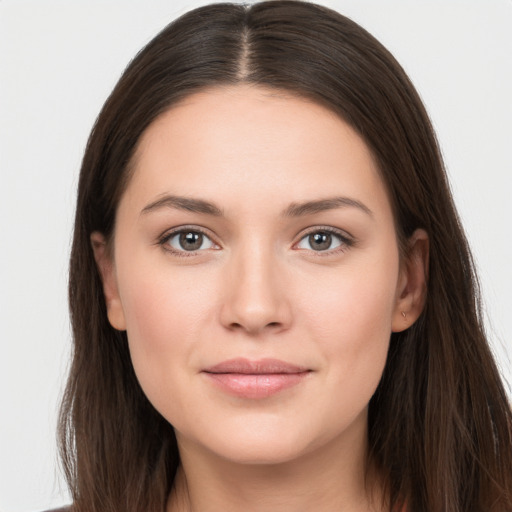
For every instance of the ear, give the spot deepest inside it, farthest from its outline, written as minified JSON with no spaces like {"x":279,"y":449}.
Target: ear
{"x":412,"y":282}
{"x":106,"y":269}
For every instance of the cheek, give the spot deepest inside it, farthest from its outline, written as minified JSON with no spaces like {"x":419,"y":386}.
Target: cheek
{"x":354,"y":302}
{"x":351,"y":320}
{"x":165,"y":315}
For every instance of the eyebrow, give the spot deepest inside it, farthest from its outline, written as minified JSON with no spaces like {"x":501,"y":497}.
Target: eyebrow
{"x":184,"y":203}
{"x":311,"y":207}
{"x":293,"y":210}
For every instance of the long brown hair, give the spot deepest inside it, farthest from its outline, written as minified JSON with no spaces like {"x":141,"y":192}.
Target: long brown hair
{"x":440,"y":426}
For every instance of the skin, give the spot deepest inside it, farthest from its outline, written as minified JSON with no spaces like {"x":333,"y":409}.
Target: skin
{"x":257,"y":288}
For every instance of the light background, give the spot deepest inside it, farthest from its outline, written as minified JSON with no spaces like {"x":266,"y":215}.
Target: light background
{"x":59,"y":61}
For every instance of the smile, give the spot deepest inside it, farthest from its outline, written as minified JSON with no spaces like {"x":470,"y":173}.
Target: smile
{"x":255,"y":379}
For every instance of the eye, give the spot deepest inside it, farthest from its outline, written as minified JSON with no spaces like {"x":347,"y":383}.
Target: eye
{"x":323,"y":240}
{"x":187,"y":240}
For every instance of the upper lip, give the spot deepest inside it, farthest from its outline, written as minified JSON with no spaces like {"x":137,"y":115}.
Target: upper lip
{"x":258,"y":367}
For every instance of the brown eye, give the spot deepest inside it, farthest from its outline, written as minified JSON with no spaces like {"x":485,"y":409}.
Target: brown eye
{"x":189,"y":241}
{"x":322,"y":240}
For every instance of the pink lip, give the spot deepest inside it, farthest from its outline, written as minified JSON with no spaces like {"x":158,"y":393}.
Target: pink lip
{"x":255,"y":379}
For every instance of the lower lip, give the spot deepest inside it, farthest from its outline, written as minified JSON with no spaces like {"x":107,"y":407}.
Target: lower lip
{"x":255,"y":385}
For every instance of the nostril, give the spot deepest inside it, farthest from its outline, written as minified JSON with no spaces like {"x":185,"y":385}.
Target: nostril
{"x":237,"y":325}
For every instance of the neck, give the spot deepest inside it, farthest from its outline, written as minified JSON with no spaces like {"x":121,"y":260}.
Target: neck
{"x":332,"y":478}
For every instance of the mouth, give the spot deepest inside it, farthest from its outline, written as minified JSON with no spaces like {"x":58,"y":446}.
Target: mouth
{"x":255,"y":379}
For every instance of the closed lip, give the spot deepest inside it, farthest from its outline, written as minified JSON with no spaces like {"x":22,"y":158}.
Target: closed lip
{"x":265,"y":366}
{"x":247,"y":379}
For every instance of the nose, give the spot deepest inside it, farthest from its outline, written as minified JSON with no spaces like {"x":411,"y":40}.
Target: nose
{"x":256,"y":298}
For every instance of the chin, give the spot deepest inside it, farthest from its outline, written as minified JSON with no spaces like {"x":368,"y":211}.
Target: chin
{"x":266,"y":440}
{"x":260,"y":451}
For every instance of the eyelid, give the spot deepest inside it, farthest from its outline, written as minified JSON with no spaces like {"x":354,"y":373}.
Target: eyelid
{"x":347,"y":240}
{"x":170,"y":233}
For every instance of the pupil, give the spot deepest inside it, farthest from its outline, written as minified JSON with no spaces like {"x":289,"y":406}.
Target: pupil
{"x":191,"y":241}
{"x":320,"y":241}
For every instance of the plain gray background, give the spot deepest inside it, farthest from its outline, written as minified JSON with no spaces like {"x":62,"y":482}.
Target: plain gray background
{"x":58,"y":63}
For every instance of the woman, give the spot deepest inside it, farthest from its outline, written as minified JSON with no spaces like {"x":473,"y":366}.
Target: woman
{"x":273,"y":302}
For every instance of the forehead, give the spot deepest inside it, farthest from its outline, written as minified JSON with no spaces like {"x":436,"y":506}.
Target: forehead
{"x":248,"y":140}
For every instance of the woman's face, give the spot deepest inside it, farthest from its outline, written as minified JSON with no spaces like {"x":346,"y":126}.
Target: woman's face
{"x":257,"y":274}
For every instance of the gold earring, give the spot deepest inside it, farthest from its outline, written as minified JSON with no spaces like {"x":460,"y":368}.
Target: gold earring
{"x":404,"y":315}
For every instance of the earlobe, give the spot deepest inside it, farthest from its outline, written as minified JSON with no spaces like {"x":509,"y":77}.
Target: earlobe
{"x":106,"y":270}
{"x":412,"y":284}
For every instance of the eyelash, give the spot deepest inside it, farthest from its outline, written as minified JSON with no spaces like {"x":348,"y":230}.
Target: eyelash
{"x":346,"y":241}
{"x":166,"y":237}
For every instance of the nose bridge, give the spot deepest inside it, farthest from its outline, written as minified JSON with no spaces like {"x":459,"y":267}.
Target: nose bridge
{"x":256,"y":297}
